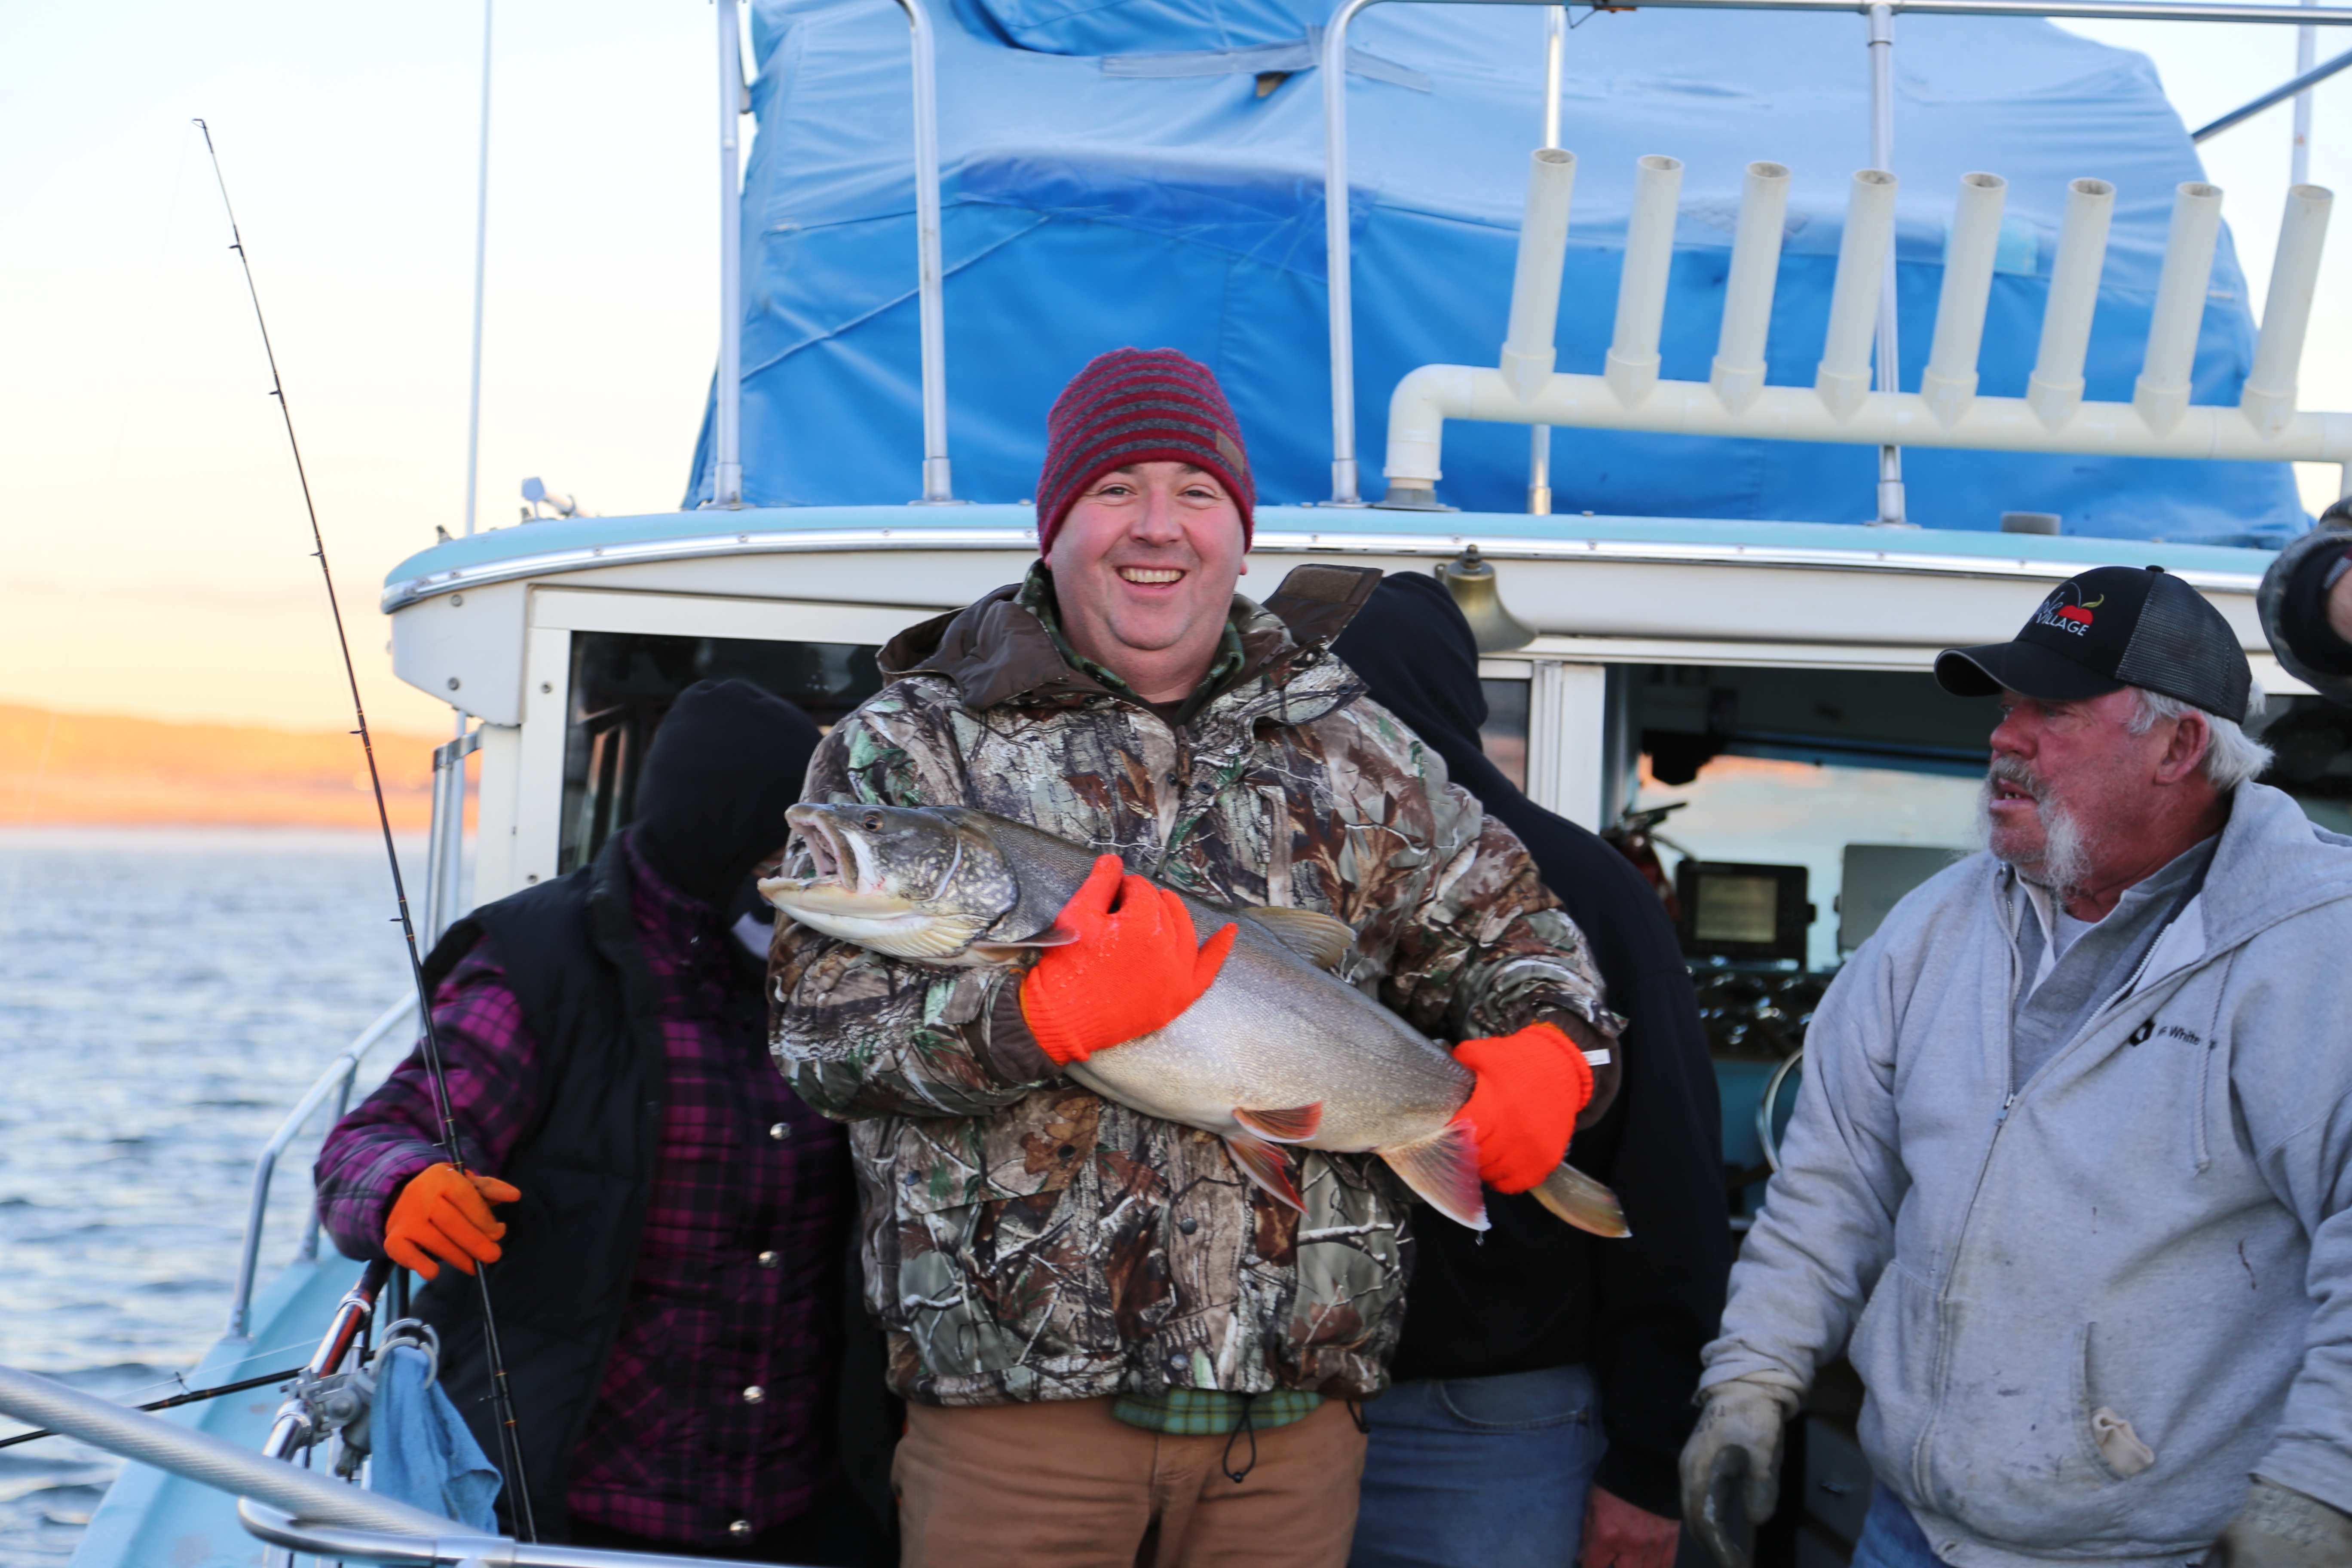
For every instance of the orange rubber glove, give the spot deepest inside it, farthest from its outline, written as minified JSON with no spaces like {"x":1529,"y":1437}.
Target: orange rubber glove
{"x":1133,"y":968}
{"x":1530,"y":1087}
{"x":446,"y":1213}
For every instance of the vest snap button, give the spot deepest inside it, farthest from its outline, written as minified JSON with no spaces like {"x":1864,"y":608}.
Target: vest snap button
{"x":740,"y":1530}
{"x":779,"y":1132}
{"x":771,"y":1260}
{"x":1188,"y":1224}
{"x":755,"y":1395}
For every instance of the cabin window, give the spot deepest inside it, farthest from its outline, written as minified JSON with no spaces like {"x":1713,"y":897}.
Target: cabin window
{"x":2310,"y":740}
{"x":1504,"y":736}
{"x":622,"y":683}
{"x":1856,"y":786}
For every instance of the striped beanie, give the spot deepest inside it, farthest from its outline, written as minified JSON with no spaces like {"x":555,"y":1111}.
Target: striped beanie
{"x":1139,"y":405}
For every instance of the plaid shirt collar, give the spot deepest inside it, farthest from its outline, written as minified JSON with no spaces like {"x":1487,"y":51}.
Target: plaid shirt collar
{"x":1037,"y":597}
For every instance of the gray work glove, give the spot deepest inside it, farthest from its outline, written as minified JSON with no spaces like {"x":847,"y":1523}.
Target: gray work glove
{"x":2278,"y":1528}
{"x":1731,"y":1466}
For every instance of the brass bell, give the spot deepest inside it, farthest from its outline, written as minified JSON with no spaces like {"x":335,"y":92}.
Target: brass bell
{"x":1471,"y":582}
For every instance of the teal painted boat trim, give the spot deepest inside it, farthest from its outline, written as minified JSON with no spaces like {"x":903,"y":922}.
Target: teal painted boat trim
{"x":574,"y":544}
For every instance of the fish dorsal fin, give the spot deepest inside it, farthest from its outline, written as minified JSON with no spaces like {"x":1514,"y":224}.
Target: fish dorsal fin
{"x":1319,"y":939}
{"x":1443,"y":1168}
{"x":1293,"y":1125}
{"x":1582,"y":1202}
{"x":1265,"y":1166}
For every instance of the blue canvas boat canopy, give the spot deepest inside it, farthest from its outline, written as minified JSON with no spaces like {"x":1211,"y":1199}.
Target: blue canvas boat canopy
{"x":1114,"y":176}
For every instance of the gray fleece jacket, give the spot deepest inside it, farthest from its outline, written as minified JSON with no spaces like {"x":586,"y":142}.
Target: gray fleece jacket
{"x":2153,"y":1230}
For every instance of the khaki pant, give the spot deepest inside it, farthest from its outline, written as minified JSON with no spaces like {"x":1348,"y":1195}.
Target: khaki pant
{"x":1063,"y":1484}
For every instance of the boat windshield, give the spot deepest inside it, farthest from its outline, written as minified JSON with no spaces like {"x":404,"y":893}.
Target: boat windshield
{"x":622,"y":683}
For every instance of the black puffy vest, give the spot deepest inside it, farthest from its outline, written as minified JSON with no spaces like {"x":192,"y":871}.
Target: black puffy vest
{"x":585,"y":1166}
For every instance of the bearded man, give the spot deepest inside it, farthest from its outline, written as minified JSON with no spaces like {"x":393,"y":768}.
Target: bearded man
{"x":2074,"y":1151}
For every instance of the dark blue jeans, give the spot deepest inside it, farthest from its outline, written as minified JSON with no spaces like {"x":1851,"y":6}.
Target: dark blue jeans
{"x":1891,"y":1538}
{"x":1479,"y":1473}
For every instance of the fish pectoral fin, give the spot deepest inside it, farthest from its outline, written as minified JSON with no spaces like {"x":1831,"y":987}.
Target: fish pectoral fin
{"x":1001,"y":952}
{"x":1052,"y":936}
{"x":1294,"y":1125}
{"x":1265,"y":1164}
{"x":1319,"y":939}
{"x":1582,"y":1202}
{"x":1444,"y":1170}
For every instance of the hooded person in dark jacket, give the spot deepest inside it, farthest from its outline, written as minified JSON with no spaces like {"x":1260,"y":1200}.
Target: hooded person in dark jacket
{"x":667,"y":1282}
{"x":1544,"y":1383}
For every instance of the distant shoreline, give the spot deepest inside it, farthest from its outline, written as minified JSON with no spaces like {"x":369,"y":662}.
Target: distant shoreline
{"x":97,"y":770}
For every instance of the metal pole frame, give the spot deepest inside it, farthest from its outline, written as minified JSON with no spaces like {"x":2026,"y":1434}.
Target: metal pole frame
{"x":1881,"y":156}
{"x":1539,"y":436}
{"x":727,"y":444}
{"x":1344,"y":465}
{"x":726,"y":473}
{"x":482,"y":259}
{"x":2306,"y":54}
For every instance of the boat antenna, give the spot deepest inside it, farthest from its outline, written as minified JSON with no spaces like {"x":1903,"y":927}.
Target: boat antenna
{"x":501,"y":1393}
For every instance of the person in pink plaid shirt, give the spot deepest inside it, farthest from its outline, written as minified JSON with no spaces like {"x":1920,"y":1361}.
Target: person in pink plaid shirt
{"x":673,"y":1219}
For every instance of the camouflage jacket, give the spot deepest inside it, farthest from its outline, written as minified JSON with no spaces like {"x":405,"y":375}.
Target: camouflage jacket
{"x":1026,"y":1239}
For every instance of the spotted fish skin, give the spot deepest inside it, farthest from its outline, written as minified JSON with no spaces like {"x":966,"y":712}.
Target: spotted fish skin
{"x":1025,"y":1237}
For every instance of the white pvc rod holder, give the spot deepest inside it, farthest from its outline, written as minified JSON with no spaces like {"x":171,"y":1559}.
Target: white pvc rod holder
{"x":2161,"y":395}
{"x":1632,"y":366}
{"x":1844,"y":379}
{"x":2270,"y":391}
{"x":1738,"y":371}
{"x":2054,"y":390}
{"x":1528,"y":350}
{"x":1949,"y":381}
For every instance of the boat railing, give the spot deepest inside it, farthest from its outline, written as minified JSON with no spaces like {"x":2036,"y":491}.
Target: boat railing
{"x":320,"y":1404}
{"x":333,"y":1085}
{"x":344,"y":1543}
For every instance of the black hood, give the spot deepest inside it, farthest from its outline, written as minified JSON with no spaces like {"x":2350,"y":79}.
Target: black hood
{"x":1415,"y":652}
{"x":726,"y":763}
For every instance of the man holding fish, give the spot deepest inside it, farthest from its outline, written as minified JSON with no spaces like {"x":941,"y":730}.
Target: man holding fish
{"x":1089,"y":905}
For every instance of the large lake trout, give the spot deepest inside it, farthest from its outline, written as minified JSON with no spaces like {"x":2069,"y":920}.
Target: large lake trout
{"x":1279,"y":1051}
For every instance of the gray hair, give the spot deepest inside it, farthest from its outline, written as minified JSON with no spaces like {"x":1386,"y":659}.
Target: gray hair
{"x":2232,"y":756}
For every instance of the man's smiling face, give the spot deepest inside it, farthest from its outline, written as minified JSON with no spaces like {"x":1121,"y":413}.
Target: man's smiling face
{"x":1144,"y":568}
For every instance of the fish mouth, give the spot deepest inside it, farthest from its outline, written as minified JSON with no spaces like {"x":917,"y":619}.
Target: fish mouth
{"x":844,"y":878}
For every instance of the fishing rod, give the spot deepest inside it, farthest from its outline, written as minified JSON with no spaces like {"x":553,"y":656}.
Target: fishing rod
{"x":501,"y":1392}
{"x":191,"y":1397}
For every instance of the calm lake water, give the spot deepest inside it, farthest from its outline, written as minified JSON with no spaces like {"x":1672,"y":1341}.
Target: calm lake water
{"x":165,"y":994}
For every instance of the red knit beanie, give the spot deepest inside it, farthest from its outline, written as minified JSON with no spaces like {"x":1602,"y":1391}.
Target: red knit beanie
{"x":1139,"y":405}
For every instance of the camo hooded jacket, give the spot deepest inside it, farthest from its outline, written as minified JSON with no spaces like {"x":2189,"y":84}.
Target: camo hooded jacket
{"x":1023,"y":1238}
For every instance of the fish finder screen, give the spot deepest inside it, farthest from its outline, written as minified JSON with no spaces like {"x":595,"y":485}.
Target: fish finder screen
{"x":1737,"y":909}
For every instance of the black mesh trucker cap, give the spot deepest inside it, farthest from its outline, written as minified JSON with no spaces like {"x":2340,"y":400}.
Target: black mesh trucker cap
{"x":2108,"y":628}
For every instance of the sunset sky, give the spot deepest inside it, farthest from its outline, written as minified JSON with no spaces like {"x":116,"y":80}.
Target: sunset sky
{"x":157,"y":558}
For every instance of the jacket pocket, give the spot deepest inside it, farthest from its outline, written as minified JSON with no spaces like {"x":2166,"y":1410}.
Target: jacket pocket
{"x":2012,"y":1452}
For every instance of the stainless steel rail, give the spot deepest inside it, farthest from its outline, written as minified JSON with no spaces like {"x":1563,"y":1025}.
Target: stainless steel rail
{"x":334,"y":1083}
{"x":350,"y":1544}
{"x":931,"y":277}
{"x":1345,"y":491}
{"x":204,"y":1458}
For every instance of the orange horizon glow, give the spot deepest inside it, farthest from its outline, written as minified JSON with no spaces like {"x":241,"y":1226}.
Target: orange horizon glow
{"x":59,"y":768}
